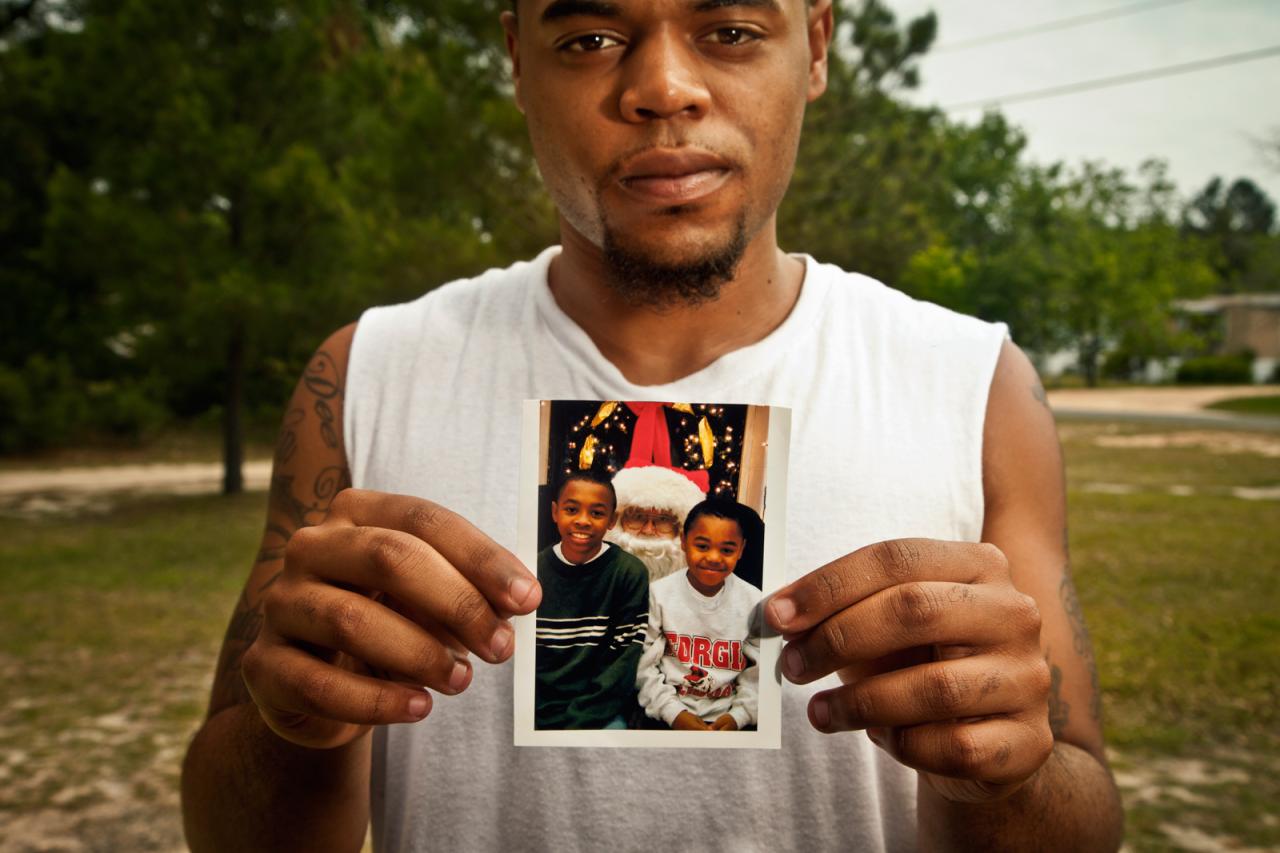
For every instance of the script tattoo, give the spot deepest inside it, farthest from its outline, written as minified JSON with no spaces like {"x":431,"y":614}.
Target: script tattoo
{"x":1080,"y":641}
{"x":1059,"y":708}
{"x":292,"y":504}
{"x":287,"y":442}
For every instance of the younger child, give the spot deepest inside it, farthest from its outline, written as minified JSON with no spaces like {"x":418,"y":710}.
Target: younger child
{"x":702,"y":642}
{"x":591,"y":621}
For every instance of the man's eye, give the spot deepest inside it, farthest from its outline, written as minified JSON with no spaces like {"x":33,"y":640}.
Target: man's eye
{"x":734,"y":36}
{"x":589,"y":43}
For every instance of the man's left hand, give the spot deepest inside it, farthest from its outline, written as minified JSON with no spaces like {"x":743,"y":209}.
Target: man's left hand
{"x":940,"y":658}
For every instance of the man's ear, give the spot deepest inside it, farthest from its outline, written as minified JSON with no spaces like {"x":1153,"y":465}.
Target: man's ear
{"x":821,"y":26}
{"x":555,"y":510}
{"x":511,"y":25}
{"x":613,"y":519}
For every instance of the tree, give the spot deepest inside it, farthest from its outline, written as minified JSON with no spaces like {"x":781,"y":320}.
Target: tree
{"x":1238,"y":224}
{"x":256,"y":172}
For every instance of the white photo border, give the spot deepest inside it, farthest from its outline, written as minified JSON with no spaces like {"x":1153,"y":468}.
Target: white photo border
{"x":768,"y":734}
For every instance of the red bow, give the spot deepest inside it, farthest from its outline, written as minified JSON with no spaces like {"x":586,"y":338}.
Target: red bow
{"x":651,"y":443}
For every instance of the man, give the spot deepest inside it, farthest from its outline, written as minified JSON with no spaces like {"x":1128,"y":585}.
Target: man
{"x":652,"y":504}
{"x":666,"y":131}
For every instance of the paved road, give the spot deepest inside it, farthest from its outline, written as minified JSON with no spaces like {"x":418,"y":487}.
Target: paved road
{"x":1173,"y":405}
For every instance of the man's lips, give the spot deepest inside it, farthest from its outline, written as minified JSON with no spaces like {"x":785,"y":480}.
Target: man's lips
{"x":674,"y":175}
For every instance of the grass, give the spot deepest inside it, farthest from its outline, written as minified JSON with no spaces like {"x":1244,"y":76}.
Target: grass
{"x":1269,"y":406}
{"x":110,"y":630}
{"x":1181,"y":596}
{"x":112,"y":623}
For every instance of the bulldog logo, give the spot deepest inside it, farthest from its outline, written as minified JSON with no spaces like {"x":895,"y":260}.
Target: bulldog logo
{"x":697,"y":677}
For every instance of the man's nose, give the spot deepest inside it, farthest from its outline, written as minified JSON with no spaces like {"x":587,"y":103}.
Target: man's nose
{"x":663,"y":80}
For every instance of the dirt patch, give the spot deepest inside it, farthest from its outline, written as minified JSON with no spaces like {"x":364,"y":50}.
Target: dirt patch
{"x":1214,"y":441}
{"x":71,"y":780}
{"x":32,"y":494}
{"x":1185,"y":787}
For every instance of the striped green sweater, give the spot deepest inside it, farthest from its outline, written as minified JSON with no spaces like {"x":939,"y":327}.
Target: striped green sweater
{"x":590,"y":632}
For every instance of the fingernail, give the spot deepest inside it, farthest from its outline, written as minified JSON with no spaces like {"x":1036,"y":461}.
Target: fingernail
{"x":459,"y":677}
{"x":784,"y":610}
{"x":793,"y":662}
{"x":820,"y":712}
{"x":500,"y":643}
{"x":520,"y":590}
{"x":419,"y":705}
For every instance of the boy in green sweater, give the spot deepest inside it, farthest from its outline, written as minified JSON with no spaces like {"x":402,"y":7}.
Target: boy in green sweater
{"x":595,"y":605}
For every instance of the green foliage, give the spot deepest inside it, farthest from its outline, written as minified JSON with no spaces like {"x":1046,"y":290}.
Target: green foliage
{"x":193,"y":195}
{"x":1216,"y":370}
{"x":1268,"y":406}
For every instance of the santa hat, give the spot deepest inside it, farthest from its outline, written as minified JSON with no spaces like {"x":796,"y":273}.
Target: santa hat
{"x":656,"y":487}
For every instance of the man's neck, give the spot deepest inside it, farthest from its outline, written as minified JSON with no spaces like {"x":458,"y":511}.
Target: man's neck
{"x":656,"y":346}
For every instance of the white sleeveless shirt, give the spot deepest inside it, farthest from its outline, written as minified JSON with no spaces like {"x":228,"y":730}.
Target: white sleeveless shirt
{"x":888,"y":397}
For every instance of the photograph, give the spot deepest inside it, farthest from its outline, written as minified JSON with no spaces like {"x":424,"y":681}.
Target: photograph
{"x":656,"y":532}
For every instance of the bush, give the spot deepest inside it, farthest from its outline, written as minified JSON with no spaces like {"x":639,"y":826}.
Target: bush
{"x":1216,"y":370}
{"x":41,"y":405}
{"x":1122,"y":364}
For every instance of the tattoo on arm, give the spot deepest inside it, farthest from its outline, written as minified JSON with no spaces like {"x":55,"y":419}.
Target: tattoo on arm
{"x":290,"y":507}
{"x":1059,"y":708}
{"x":1037,"y":391}
{"x":1081,"y":644}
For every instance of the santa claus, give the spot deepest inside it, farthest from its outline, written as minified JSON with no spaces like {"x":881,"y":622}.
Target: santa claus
{"x":653,"y":501}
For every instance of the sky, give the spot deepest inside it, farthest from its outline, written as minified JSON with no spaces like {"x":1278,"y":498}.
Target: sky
{"x":1203,"y":124}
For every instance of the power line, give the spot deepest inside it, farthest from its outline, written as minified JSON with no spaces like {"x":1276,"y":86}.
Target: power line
{"x":1118,"y":80}
{"x":1052,"y":26}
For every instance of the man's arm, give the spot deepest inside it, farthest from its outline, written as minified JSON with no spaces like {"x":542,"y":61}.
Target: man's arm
{"x":942,"y":650}
{"x":243,"y":787}
{"x":358,"y":602}
{"x":1072,"y":801}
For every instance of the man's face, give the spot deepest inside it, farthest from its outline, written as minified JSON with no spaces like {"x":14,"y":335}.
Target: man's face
{"x":666,"y":130}
{"x":582,"y":513}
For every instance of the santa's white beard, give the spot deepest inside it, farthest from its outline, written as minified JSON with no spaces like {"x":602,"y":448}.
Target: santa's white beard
{"x":661,"y":555}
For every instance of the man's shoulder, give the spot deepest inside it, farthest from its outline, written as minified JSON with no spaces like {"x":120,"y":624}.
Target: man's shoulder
{"x":850,"y":297}
{"x":485,"y":297}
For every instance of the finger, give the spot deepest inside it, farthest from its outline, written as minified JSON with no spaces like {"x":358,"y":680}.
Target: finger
{"x":492,"y":569}
{"x":286,"y":681}
{"x":839,"y":584}
{"x":408,"y":569}
{"x":995,"y":751}
{"x":910,"y":615}
{"x":979,"y":686}
{"x":371,"y":633}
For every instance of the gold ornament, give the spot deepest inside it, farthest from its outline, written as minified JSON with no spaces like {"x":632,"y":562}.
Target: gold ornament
{"x":708,"y":440}
{"x":683,"y":407}
{"x":588,"y":454}
{"x":604,"y":411}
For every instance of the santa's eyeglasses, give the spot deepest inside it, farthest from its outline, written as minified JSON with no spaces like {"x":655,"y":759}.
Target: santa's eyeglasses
{"x":637,"y":520}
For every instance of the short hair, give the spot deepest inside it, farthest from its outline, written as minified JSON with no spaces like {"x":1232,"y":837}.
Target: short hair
{"x":587,"y":475}
{"x":725,"y":508}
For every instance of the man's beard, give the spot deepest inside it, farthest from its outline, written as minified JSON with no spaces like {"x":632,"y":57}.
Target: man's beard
{"x":645,"y":281}
{"x":661,"y":555}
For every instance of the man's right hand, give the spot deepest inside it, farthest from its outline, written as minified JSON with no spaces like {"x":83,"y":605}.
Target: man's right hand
{"x":385,"y":598}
